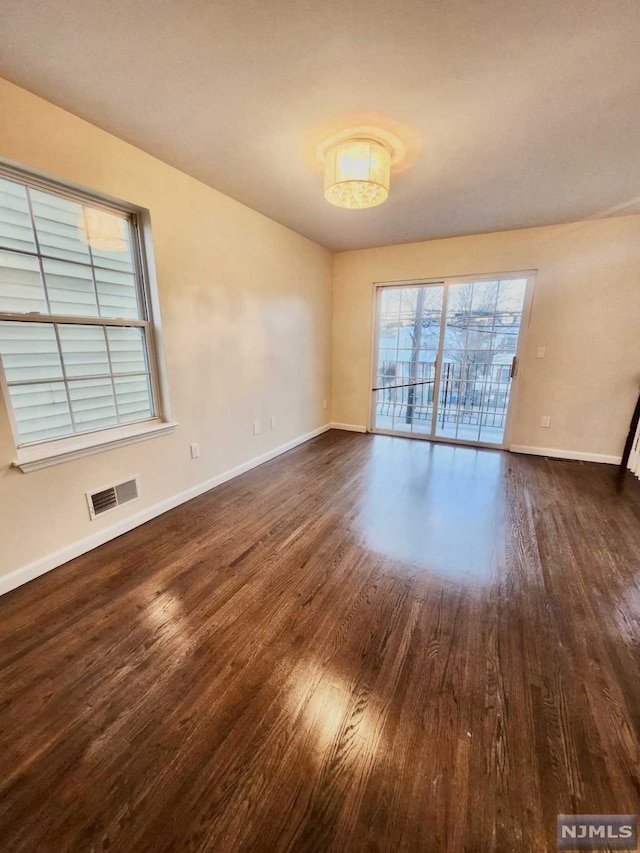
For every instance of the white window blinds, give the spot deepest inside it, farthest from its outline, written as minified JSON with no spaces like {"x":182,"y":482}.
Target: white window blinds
{"x":74,"y":327}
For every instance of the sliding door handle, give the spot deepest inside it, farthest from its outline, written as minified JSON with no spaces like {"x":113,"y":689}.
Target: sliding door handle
{"x":514,"y":367}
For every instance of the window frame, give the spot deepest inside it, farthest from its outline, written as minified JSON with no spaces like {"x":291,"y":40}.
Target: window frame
{"x":38,"y":454}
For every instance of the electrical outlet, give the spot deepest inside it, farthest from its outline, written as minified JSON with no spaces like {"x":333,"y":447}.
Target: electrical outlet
{"x":545,"y":421}
{"x":256,"y":427}
{"x":324,"y":404}
{"x":195,"y":450}
{"x":273,"y":421}
{"x":541,"y":352}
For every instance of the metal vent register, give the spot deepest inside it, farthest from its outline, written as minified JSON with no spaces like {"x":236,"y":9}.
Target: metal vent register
{"x":113,"y":496}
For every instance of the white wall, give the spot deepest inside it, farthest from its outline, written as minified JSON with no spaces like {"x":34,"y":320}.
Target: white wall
{"x":246,"y":315}
{"x":586,"y":312}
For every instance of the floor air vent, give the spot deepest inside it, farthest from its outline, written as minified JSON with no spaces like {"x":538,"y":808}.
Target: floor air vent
{"x":112,"y":497}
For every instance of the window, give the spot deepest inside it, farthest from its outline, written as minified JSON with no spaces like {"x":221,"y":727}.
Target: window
{"x":75,"y":328}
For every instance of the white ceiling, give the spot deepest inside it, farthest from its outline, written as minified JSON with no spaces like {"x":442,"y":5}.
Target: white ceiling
{"x":516,"y":112}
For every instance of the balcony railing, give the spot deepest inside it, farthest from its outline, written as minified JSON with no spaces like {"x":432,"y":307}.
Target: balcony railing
{"x":469,"y":394}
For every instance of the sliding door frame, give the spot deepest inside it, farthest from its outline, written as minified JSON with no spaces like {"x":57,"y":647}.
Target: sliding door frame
{"x":444,"y":281}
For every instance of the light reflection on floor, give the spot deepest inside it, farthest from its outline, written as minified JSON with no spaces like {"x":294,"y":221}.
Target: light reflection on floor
{"x":417,"y":520}
{"x":326,"y":708}
{"x":166,"y":615}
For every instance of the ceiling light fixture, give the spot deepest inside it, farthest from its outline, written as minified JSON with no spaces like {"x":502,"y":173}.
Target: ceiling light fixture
{"x":357,"y":165}
{"x":357,"y":173}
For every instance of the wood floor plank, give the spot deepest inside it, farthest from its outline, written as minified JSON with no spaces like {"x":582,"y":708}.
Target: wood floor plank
{"x":368,"y":644}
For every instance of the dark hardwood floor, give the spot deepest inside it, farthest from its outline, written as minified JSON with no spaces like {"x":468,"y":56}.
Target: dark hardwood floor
{"x":368,"y":644}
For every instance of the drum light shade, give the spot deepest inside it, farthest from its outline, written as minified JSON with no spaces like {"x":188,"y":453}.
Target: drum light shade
{"x":356,"y":173}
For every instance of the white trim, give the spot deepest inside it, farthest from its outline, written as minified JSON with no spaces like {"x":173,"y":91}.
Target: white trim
{"x":155,"y":340}
{"x":63,"y":555}
{"x":36,"y":456}
{"x":46,"y":181}
{"x":374,"y":338}
{"x":440,"y":279}
{"x":349,"y":427}
{"x":146,"y":283}
{"x":64,"y":320}
{"x":581,"y":455}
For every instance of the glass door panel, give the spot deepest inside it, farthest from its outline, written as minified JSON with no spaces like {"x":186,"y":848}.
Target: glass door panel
{"x":444,"y":358}
{"x":409,"y":321}
{"x":481,"y":329}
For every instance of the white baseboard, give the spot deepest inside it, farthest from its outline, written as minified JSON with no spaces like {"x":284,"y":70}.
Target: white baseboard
{"x":63,"y":555}
{"x":566,"y":454}
{"x":349,"y":427}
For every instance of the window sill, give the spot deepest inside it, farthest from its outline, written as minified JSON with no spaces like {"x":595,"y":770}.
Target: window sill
{"x":39,"y":456}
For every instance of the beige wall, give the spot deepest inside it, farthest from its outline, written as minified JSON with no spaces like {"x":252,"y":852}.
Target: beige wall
{"x":586,"y":312}
{"x":246,"y":316}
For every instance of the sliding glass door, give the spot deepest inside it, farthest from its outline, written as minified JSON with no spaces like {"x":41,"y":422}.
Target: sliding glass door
{"x":409,"y":329}
{"x":445,"y":358}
